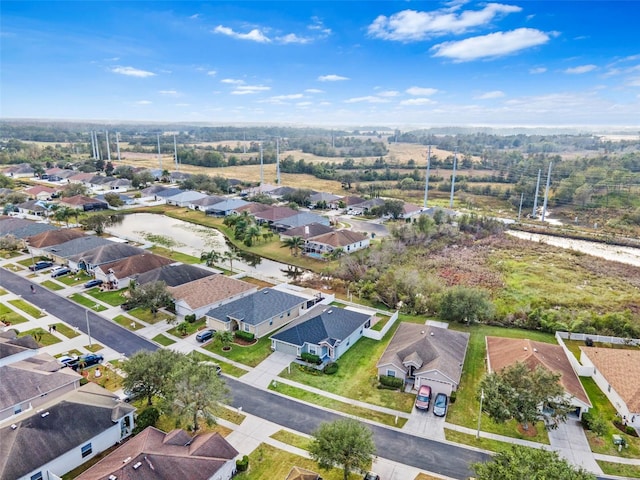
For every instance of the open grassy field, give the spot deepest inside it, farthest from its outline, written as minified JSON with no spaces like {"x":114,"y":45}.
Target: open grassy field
{"x":9,"y":316}
{"x":87,"y":302}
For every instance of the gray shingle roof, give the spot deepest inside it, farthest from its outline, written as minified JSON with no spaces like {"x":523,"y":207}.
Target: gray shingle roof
{"x":169,"y":192}
{"x":257,"y":307}
{"x":227,"y":205}
{"x":21,"y":228}
{"x":322,"y":323}
{"x":77,"y":246}
{"x":307,"y":231}
{"x":301,"y":219}
{"x":174,"y":274}
{"x":107,"y":253}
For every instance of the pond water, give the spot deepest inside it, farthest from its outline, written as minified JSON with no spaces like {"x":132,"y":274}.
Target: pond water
{"x":193,"y":240}
{"x":628,"y":255}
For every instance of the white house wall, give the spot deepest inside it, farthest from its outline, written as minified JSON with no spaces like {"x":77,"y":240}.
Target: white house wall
{"x":616,"y":400}
{"x":225,"y":472}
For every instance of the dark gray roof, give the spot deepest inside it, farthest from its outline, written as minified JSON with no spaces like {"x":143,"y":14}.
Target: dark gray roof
{"x":121,"y":196}
{"x":153,"y":189}
{"x":174,"y":274}
{"x":208,"y":200}
{"x":169,"y":192}
{"x":308,"y":231}
{"x":21,"y":228}
{"x":280,"y":191}
{"x":76,"y":419}
{"x":107,"y":253}
{"x":35,"y":205}
{"x":227,"y":205}
{"x":257,"y":307}
{"x":322,"y":323}
{"x":323,"y":196}
{"x":301,"y":219}
{"x":77,"y":246}
{"x":10,"y":344}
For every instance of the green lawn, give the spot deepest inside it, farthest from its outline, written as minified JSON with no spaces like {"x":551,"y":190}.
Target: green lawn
{"x":173,"y":255}
{"x":89,"y":303}
{"x":7,"y":315}
{"x":250,"y":355}
{"x":357,"y":376}
{"x":127,"y":323}
{"x":162,"y":340}
{"x":108,"y":378}
{"x":483,"y":443}
{"x":227,"y":368}
{"x":291,"y":438}
{"x":465,"y":410}
{"x":26,"y":307}
{"x":602,"y":407}
{"x":110,"y":297}
{"x":72,"y":280}
{"x":45,"y":339}
{"x":51,"y":285}
{"x":348,"y":408}
{"x":574,"y":346}
{"x":147,"y":316}
{"x":2,"y":291}
{"x":66,"y":330}
{"x":94,"y":347}
{"x":268,"y":463}
{"x":619,"y":469}
{"x":9,"y":253}
{"x":191,"y":328}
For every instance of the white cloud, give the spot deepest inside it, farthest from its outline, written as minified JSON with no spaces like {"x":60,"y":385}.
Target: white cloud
{"x":580,"y":69}
{"x":254,"y":35}
{"x":417,"y":101}
{"x":318,"y":25}
{"x":367,"y":99}
{"x":132,"y":72}
{"x":293,"y":38}
{"x":292,"y":96}
{"x":314,"y":90}
{"x":169,"y":93}
{"x":212,"y":73}
{"x":490,"y":95}
{"x":143,"y":102}
{"x":411,"y":25}
{"x":495,"y":44}
{"x":182,"y":104}
{"x":304,"y":104}
{"x":537,"y":70}
{"x":194,"y":16}
{"x":421,"y":91}
{"x":389,"y":93}
{"x":634,"y":82}
{"x":331,"y":78}
{"x":249,"y":89}
{"x":232,"y":81}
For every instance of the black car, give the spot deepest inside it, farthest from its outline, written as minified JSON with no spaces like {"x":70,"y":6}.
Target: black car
{"x":60,"y":272}
{"x":371,"y":476}
{"x":93,"y":283}
{"x":87,"y":360}
{"x":205,"y":335}
{"x":41,"y":265}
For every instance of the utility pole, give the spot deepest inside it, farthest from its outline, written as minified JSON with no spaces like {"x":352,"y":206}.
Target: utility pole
{"x":106,"y":132}
{"x":86,"y":314}
{"x":535,"y":198}
{"x":175,"y":152}
{"x":98,"y":146}
{"x":118,"y":144}
{"x":261,"y":166}
{"x":426,"y":183}
{"x":278,"y":161}
{"x":453,"y":177}
{"x":520,"y":209}
{"x":480,"y":414}
{"x":546,"y":192}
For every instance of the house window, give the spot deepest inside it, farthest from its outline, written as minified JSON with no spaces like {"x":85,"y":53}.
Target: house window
{"x":391,"y":373}
{"x":289,"y":313}
{"x":86,"y":450}
{"x":246,"y":328}
{"x":361,"y":330}
{"x":271,"y":321}
{"x":312,"y":350}
{"x":17,"y":409}
{"x":608,"y":388}
{"x":36,"y":476}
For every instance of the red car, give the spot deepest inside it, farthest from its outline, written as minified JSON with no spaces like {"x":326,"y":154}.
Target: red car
{"x":423,"y":398}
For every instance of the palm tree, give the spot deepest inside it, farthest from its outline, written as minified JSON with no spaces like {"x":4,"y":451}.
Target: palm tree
{"x":295,"y":244}
{"x":210,"y":258}
{"x":251,"y":233}
{"x":231,"y":256}
{"x":63,"y":214}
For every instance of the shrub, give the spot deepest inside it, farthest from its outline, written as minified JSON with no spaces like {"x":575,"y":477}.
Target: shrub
{"x":242,"y":464}
{"x":588,"y":342}
{"x":629,"y":430}
{"x":249,"y":337}
{"x":393,"y":382}
{"x":452,"y":397}
{"x":146,"y":418}
{"x":311,"y":358}
{"x":190,"y":318}
{"x":331,"y":368}
{"x":595,"y":423}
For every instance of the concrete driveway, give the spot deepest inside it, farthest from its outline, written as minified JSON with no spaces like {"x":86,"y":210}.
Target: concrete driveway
{"x":570,"y":441}
{"x":262,"y":375}
{"x":425,"y":424}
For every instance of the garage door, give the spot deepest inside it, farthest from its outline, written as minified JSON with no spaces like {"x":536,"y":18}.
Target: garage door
{"x":436,"y":385}
{"x":286,"y":348}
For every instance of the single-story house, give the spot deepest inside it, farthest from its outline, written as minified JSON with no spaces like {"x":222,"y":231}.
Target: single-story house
{"x":33,"y":381}
{"x":409,"y":210}
{"x":259,"y":313}
{"x":173,"y":274}
{"x":168,"y":193}
{"x":14,"y":348}
{"x":150,"y":193}
{"x":253,"y":207}
{"x":107,"y":253}
{"x":184,"y":199}
{"x":126,"y":199}
{"x":153,"y":454}
{"x":226,"y":207}
{"x":35,"y":208}
{"x":117,"y":184}
{"x":65,"y":433}
{"x":280,"y":192}
{"x":365,"y":207}
{"x":503,"y":352}
{"x":84,"y":203}
{"x":23,"y":170}
{"x":306,"y":232}
{"x":118,"y":274}
{"x":616,"y":371}
{"x":425,"y":355}
{"x":200,"y":296}
{"x":323,"y":199}
{"x":264,"y":188}
{"x":348,"y":201}
{"x":204,"y":203}
{"x":324,"y":330}
{"x":40,"y":192}
{"x":36,"y":243}
{"x":273,"y":214}
{"x":299,"y":473}
{"x":300,"y":220}
{"x":62,"y":252}
{"x":22,"y":228}
{"x":348,"y":240}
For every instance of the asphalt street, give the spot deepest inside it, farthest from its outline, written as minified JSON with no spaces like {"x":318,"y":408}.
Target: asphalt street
{"x":422,"y":453}
{"x":102,"y":330}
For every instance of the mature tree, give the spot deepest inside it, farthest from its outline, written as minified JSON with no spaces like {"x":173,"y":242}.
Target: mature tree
{"x":99,"y":221}
{"x":463,"y":304}
{"x":225,"y":337}
{"x":73,"y":189}
{"x":149,"y":374}
{"x":231,"y":256}
{"x":198,"y":392}
{"x":347,"y":443}
{"x":63,"y":214}
{"x":153,"y":296}
{"x":393,"y":208}
{"x":14,"y":198}
{"x":9,"y":242}
{"x":520,"y":462}
{"x":113,"y":199}
{"x":519,"y":393}
{"x":295,"y":244}
{"x":210,"y":258}
{"x":252,"y":233}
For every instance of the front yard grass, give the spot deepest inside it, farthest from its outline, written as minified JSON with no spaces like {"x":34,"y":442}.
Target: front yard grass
{"x":43,"y":337}
{"x":602,"y":407}
{"x":173,"y":255}
{"x":87,"y":302}
{"x":267,"y":462}
{"x":108,"y":378}
{"x":26,"y":307}
{"x":290,"y":438}
{"x":94,"y":347}
{"x":2,"y":291}
{"x":147,"y":316}
{"x":191,"y":328}
{"x":250,"y":355}
{"x":619,"y":469}
{"x":483,"y":443}
{"x":227,"y":368}
{"x":7,"y":315}
{"x":65,"y":330}
{"x":162,"y":340}
{"x":317,"y":399}
{"x":51,"y":285}
{"x":74,"y":279}
{"x":127,"y":323}
{"x":357,"y":376}
{"x":110,"y":297}
{"x":465,"y":410}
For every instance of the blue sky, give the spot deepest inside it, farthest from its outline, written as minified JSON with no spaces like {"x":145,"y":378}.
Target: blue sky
{"x":323,"y":63}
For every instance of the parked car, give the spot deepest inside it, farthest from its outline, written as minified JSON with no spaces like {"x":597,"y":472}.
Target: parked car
{"x":423,"y":398}
{"x":371,"y":476}
{"x":41,"y":265}
{"x":87,"y":360}
{"x":93,"y":283}
{"x":440,"y":405}
{"x":213,"y":365}
{"x":127,"y":306}
{"x":205,"y":335}
{"x":66,"y":360}
{"x":59,"y":272}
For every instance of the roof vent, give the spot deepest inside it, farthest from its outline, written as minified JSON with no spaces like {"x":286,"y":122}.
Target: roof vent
{"x":525,"y":349}
{"x":330,"y":311}
{"x":265,"y":291}
{"x":431,"y":334}
{"x":137,"y":465}
{"x":535,"y":350}
{"x":113,"y":477}
{"x":45,"y":414}
{"x":13,"y":426}
{"x":128,"y":459}
{"x":422,"y":332}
